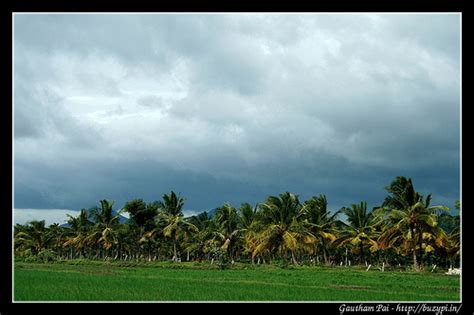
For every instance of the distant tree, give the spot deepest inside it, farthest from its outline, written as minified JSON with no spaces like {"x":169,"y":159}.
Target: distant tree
{"x":33,"y":237}
{"x":410,"y":216}
{"x":361,"y":232}
{"x":170,"y":215}
{"x":227,"y":227}
{"x":79,"y":230}
{"x":142,"y":214}
{"x":56,"y":235}
{"x":449,"y":222}
{"x":321,"y":223}
{"x":283,"y":230}
{"x":105,"y":230}
{"x":250,"y":224}
{"x":201,"y":240}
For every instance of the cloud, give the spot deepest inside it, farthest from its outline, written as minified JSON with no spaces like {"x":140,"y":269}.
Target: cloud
{"x":234,"y":107}
{"x":50,"y":216}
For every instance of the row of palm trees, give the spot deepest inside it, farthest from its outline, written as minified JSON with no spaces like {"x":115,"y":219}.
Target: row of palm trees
{"x":405,"y":230}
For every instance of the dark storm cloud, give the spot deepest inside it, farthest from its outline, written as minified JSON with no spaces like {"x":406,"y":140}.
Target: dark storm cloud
{"x":234,"y":107}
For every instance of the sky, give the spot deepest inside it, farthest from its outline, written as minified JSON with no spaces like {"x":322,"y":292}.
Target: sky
{"x":232,"y":108}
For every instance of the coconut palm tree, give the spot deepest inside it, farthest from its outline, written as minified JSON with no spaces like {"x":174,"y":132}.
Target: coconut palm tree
{"x":283,"y":230}
{"x":247,"y":215}
{"x":172,"y":204}
{"x":20,"y":239}
{"x":410,"y":216}
{"x":250,"y":222}
{"x":105,"y":230}
{"x":79,"y":229}
{"x":200,"y":242}
{"x":320,"y":222}
{"x":361,"y":232}
{"x":170,"y":217}
{"x":174,"y":225}
{"x":57,"y":236}
{"x":227,"y":227}
{"x":141,"y":214}
{"x":452,"y":246}
{"x":33,"y":237}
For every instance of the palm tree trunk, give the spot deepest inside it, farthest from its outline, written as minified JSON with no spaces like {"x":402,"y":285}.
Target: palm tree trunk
{"x":293,"y":258}
{"x":325,"y":256}
{"x":346,"y":256}
{"x":315,"y":254}
{"x":420,"y":264}
{"x":415,"y":263}
{"x":175,"y":253}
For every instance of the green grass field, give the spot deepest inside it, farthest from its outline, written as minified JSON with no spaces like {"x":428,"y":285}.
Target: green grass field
{"x":96,"y":281}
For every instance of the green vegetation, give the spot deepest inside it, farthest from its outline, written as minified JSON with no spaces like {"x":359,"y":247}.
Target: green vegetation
{"x":81,"y":280}
{"x":404,"y":234}
{"x":404,"y":230}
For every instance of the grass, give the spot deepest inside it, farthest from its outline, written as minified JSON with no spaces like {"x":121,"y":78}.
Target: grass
{"x":102,"y":281}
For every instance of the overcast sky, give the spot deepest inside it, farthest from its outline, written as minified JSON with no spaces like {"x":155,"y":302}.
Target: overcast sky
{"x":234,"y":107}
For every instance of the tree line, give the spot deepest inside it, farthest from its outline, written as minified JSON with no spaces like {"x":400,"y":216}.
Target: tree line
{"x":405,"y":231}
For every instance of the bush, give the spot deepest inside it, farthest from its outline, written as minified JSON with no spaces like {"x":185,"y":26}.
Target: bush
{"x":31,"y":259}
{"x":46,"y":256}
{"x":23,"y":255}
{"x":221,"y":257}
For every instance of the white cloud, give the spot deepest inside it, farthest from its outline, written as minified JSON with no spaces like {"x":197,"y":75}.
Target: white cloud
{"x":23,"y":216}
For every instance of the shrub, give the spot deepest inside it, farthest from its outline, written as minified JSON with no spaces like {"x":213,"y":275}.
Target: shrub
{"x":46,"y":256}
{"x":221,"y":257}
